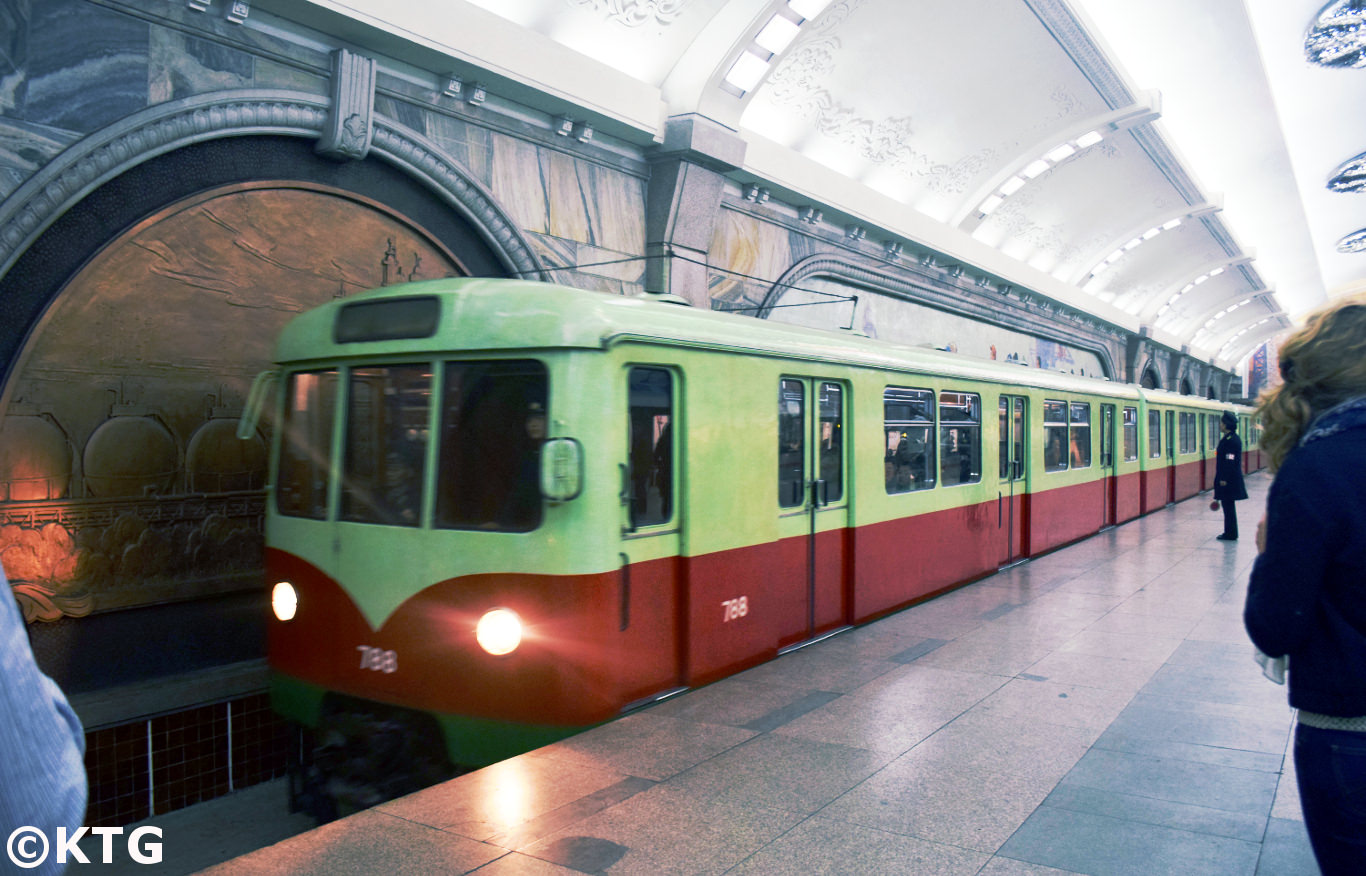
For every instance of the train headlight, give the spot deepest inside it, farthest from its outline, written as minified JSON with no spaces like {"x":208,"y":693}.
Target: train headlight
{"x":284,"y":601}
{"x":499,"y":631}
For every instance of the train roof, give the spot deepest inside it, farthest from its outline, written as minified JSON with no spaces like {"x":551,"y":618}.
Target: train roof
{"x":482,"y":314}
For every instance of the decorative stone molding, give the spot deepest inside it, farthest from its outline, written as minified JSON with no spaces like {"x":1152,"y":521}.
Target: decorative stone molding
{"x":634,"y":13}
{"x":94,"y":160}
{"x":934,"y":287}
{"x":350,"y":126}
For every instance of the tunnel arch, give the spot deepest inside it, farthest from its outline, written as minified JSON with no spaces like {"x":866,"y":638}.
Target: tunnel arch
{"x":87,"y":195}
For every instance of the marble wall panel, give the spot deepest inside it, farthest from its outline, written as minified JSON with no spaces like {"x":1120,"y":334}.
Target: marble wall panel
{"x":747,"y":247}
{"x":517,"y":183}
{"x":25,"y":148}
{"x":14,"y":15}
{"x":470,"y":146}
{"x":181,"y":65}
{"x":288,"y":77}
{"x":615,"y":202}
{"x":566,"y":197}
{"x":86,"y":66}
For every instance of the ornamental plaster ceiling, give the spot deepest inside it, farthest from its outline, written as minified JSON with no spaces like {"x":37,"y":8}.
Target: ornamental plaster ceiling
{"x":1162,"y":165}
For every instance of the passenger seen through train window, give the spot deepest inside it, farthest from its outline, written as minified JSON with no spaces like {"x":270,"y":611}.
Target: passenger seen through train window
{"x":960,"y":438}
{"x":908,"y":431}
{"x":1055,"y":455}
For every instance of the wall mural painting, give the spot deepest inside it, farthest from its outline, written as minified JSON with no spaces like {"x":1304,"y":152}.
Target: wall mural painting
{"x":122,"y":481}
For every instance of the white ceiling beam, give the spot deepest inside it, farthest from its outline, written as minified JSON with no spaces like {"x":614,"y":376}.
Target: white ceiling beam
{"x":1117,"y":243}
{"x":968,"y":214}
{"x":1172,"y":294}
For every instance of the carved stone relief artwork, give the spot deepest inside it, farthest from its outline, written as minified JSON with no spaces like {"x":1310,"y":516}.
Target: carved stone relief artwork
{"x":634,"y":13}
{"x":122,"y":481}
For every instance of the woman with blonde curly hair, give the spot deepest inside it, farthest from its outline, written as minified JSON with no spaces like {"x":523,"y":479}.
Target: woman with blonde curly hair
{"x":1307,"y":597}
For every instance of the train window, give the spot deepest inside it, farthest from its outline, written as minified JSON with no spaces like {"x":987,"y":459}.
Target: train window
{"x":387,"y":320}
{"x":791,"y":443}
{"x":306,"y":444}
{"x":387,"y":415}
{"x":1154,"y":434}
{"x":493,"y":420}
{"x":1055,"y":435}
{"x":832,"y":441}
{"x":908,"y":442}
{"x":1130,"y":434}
{"x":1212,"y":431}
{"x":650,"y":436}
{"x":1079,"y":434}
{"x":960,"y":438}
{"x":1003,"y":438}
{"x":1186,"y":426}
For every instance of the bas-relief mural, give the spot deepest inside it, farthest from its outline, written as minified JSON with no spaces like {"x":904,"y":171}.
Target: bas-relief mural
{"x":122,"y":481}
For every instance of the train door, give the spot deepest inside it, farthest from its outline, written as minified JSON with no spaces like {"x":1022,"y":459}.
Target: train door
{"x":1171,"y":457}
{"x":813,"y":508}
{"x":1012,"y":496}
{"x":649,"y":614}
{"x":1110,"y":474}
{"x":1204,"y":451}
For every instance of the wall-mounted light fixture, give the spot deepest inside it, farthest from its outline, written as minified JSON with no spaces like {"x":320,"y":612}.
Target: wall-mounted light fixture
{"x":455,"y":86}
{"x":563,"y":126}
{"x":238,"y":11}
{"x":583,"y":132}
{"x":892,"y":249}
{"x":855,"y":232}
{"x":477,"y":94}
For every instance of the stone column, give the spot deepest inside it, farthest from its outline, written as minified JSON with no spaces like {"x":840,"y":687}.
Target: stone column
{"x":682,"y":202}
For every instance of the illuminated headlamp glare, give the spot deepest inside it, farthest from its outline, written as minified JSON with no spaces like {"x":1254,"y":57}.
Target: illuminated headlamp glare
{"x":284,"y":601}
{"x":499,"y":631}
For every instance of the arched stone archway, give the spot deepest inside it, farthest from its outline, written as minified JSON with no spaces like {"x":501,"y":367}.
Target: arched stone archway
{"x":146,"y":281}
{"x":150,"y":159}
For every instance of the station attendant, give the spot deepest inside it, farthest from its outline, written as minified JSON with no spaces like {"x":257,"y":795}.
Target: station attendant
{"x":1306,"y":600}
{"x":1228,"y":474}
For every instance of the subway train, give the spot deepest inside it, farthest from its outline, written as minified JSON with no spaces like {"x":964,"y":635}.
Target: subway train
{"x":501,"y":512}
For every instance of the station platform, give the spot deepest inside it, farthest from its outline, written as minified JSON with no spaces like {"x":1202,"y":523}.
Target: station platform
{"x":1096,"y":710}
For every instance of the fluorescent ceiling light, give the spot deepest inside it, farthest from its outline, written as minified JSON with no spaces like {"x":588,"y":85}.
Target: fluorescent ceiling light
{"x":990,"y":204}
{"x":1035,"y":168}
{"x":1061,"y":152}
{"x":1167,"y":226}
{"x":1090,"y":139}
{"x":1012,"y":185}
{"x":778,"y":34}
{"x":747,"y":71}
{"x":808,"y":8}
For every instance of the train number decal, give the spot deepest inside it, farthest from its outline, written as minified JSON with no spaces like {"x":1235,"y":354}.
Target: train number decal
{"x":378,"y":659}
{"x":734,"y":609}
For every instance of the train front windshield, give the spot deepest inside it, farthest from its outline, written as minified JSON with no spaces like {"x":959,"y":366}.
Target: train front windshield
{"x":490,"y":427}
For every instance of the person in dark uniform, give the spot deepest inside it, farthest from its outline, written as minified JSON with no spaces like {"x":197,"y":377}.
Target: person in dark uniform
{"x":1228,"y":474}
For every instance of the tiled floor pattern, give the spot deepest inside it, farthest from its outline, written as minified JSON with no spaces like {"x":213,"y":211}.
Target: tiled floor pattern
{"x":1095,"y":711}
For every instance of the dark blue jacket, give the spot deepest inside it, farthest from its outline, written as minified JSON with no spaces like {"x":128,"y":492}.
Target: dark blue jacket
{"x":1307,"y":597}
{"x":1228,"y":468}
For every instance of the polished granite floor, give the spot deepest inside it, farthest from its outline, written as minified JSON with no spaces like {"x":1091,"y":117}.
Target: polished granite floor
{"x":1096,"y":710}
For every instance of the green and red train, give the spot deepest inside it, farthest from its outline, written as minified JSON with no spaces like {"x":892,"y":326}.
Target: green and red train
{"x":502,"y":512}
